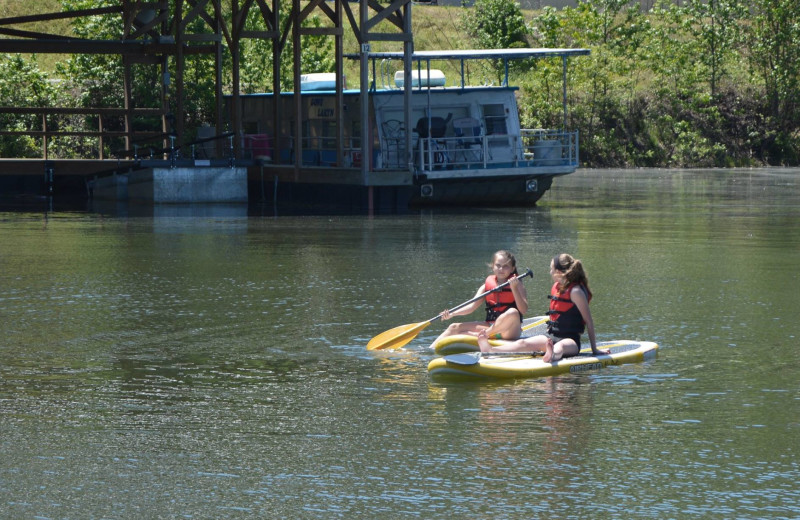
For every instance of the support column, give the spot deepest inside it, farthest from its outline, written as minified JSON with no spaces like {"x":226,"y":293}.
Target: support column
{"x":366,"y":141}
{"x":128,"y":105}
{"x":236,"y":102}
{"x":408,"y":51}
{"x":219,"y":116}
{"x":298,"y":101}
{"x":180,"y":66}
{"x":277,"y":106}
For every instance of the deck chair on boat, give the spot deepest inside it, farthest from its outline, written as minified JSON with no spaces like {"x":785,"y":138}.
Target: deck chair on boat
{"x":393,"y":143}
{"x":470,"y":140}
{"x":438,"y":155}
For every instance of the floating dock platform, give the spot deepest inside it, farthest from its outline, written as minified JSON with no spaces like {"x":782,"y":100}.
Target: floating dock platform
{"x":180,"y":185}
{"x":273,"y":188}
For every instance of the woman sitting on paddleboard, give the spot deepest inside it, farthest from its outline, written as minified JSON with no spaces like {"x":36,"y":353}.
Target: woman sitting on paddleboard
{"x":504,"y":308}
{"x":569,"y":316}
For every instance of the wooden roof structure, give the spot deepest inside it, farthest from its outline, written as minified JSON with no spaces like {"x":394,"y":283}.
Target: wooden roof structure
{"x":163,"y":32}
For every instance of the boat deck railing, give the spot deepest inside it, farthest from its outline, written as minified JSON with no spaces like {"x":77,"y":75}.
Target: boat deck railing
{"x":549,"y":147}
{"x":532,"y":148}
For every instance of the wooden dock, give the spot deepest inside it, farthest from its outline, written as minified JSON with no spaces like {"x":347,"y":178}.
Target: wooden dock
{"x":264,"y":183}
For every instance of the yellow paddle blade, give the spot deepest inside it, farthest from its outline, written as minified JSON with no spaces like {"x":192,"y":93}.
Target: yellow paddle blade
{"x":396,"y":337}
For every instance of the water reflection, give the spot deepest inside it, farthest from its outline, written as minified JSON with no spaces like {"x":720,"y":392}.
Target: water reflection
{"x":125,"y":209}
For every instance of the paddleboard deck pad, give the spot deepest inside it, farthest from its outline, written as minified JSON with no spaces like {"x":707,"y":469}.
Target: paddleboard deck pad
{"x":467,"y":343}
{"x":474,"y":365}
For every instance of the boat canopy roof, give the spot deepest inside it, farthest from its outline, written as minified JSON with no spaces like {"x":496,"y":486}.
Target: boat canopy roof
{"x":477,"y":54}
{"x":463,"y":55}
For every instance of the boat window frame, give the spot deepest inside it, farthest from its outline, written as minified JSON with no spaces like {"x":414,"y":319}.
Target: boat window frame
{"x":491,"y":119}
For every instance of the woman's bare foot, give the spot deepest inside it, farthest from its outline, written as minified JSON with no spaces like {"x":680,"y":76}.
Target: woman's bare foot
{"x":483,"y":342}
{"x":548,"y":352}
{"x":487,"y":332}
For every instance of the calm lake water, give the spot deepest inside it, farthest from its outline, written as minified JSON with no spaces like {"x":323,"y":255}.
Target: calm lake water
{"x":215,"y":366}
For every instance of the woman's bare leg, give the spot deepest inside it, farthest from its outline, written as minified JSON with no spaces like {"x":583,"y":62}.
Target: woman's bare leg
{"x":508,"y":325}
{"x":471,"y":327}
{"x":560,"y":349}
{"x":532,"y":344}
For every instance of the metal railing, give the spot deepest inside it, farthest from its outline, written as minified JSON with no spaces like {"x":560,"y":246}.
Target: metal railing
{"x":550,"y":147}
{"x":50,"y":127}
{"x":532,"y":148}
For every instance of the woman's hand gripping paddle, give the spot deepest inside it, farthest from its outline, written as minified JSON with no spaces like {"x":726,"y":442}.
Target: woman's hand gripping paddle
{"x":399,"y":336}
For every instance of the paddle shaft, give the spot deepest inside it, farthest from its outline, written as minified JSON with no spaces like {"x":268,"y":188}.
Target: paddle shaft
{"x":500,"y":287}
{"x":399,"y":336}
{"x":473,"y":358}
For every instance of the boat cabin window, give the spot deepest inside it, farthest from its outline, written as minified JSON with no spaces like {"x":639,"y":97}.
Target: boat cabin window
{"x":494,"y":119}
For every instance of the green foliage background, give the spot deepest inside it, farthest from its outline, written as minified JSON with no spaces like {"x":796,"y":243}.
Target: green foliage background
{"x":705,"y":84}
{"x":701,"y":84}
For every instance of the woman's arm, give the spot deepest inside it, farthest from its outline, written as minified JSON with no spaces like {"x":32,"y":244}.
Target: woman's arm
{"x":520,"y":294}
{"x":582,"y":303}
{"x":469,"y":309}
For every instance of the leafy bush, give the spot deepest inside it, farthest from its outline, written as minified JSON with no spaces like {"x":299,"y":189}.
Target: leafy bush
{"x":22,"y":84}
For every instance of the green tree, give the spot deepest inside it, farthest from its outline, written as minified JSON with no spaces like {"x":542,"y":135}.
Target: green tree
{"x":22,"y":84}
{"x":96,"y":78}
{"x":714,"y":27}
{"x":603,"y":84}
{"x":96,"y":81}
{"x":495,"y":24}
{"x":774,"y":43}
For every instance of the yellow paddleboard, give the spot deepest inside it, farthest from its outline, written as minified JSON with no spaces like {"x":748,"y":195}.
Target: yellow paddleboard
{"x":474,"y":365}
{"x":467,"y":343}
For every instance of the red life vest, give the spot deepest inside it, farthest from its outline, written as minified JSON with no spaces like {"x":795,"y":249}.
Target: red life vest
{"x":497,"y":302}
{"x":565,"y":318}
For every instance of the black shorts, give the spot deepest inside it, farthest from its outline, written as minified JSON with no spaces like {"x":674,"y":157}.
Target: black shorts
{"x":575,"y":337}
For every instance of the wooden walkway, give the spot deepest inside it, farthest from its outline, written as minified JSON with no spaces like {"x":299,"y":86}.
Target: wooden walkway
{"x":62,"y":167}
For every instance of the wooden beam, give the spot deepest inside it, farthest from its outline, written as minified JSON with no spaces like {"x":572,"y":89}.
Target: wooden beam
{"x":321,"y":31}
{"x":387,"y":12}
{"x":198,"y":8}
{"x":309,"y":8}
{"x":266,"y":35}
{"x":211,"y":20}
{"x":353,"y":24}
{"x":73,"y":46}
{"x":389,"y":37}
{"x":325,"y":8}
{"x":266,"y":13}
{"x":203,"y":37}
{"x":392,"y":16}
{"x":287,"y":27}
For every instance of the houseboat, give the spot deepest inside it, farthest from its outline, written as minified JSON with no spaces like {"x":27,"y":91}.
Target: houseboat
{"x":467,"y":147}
